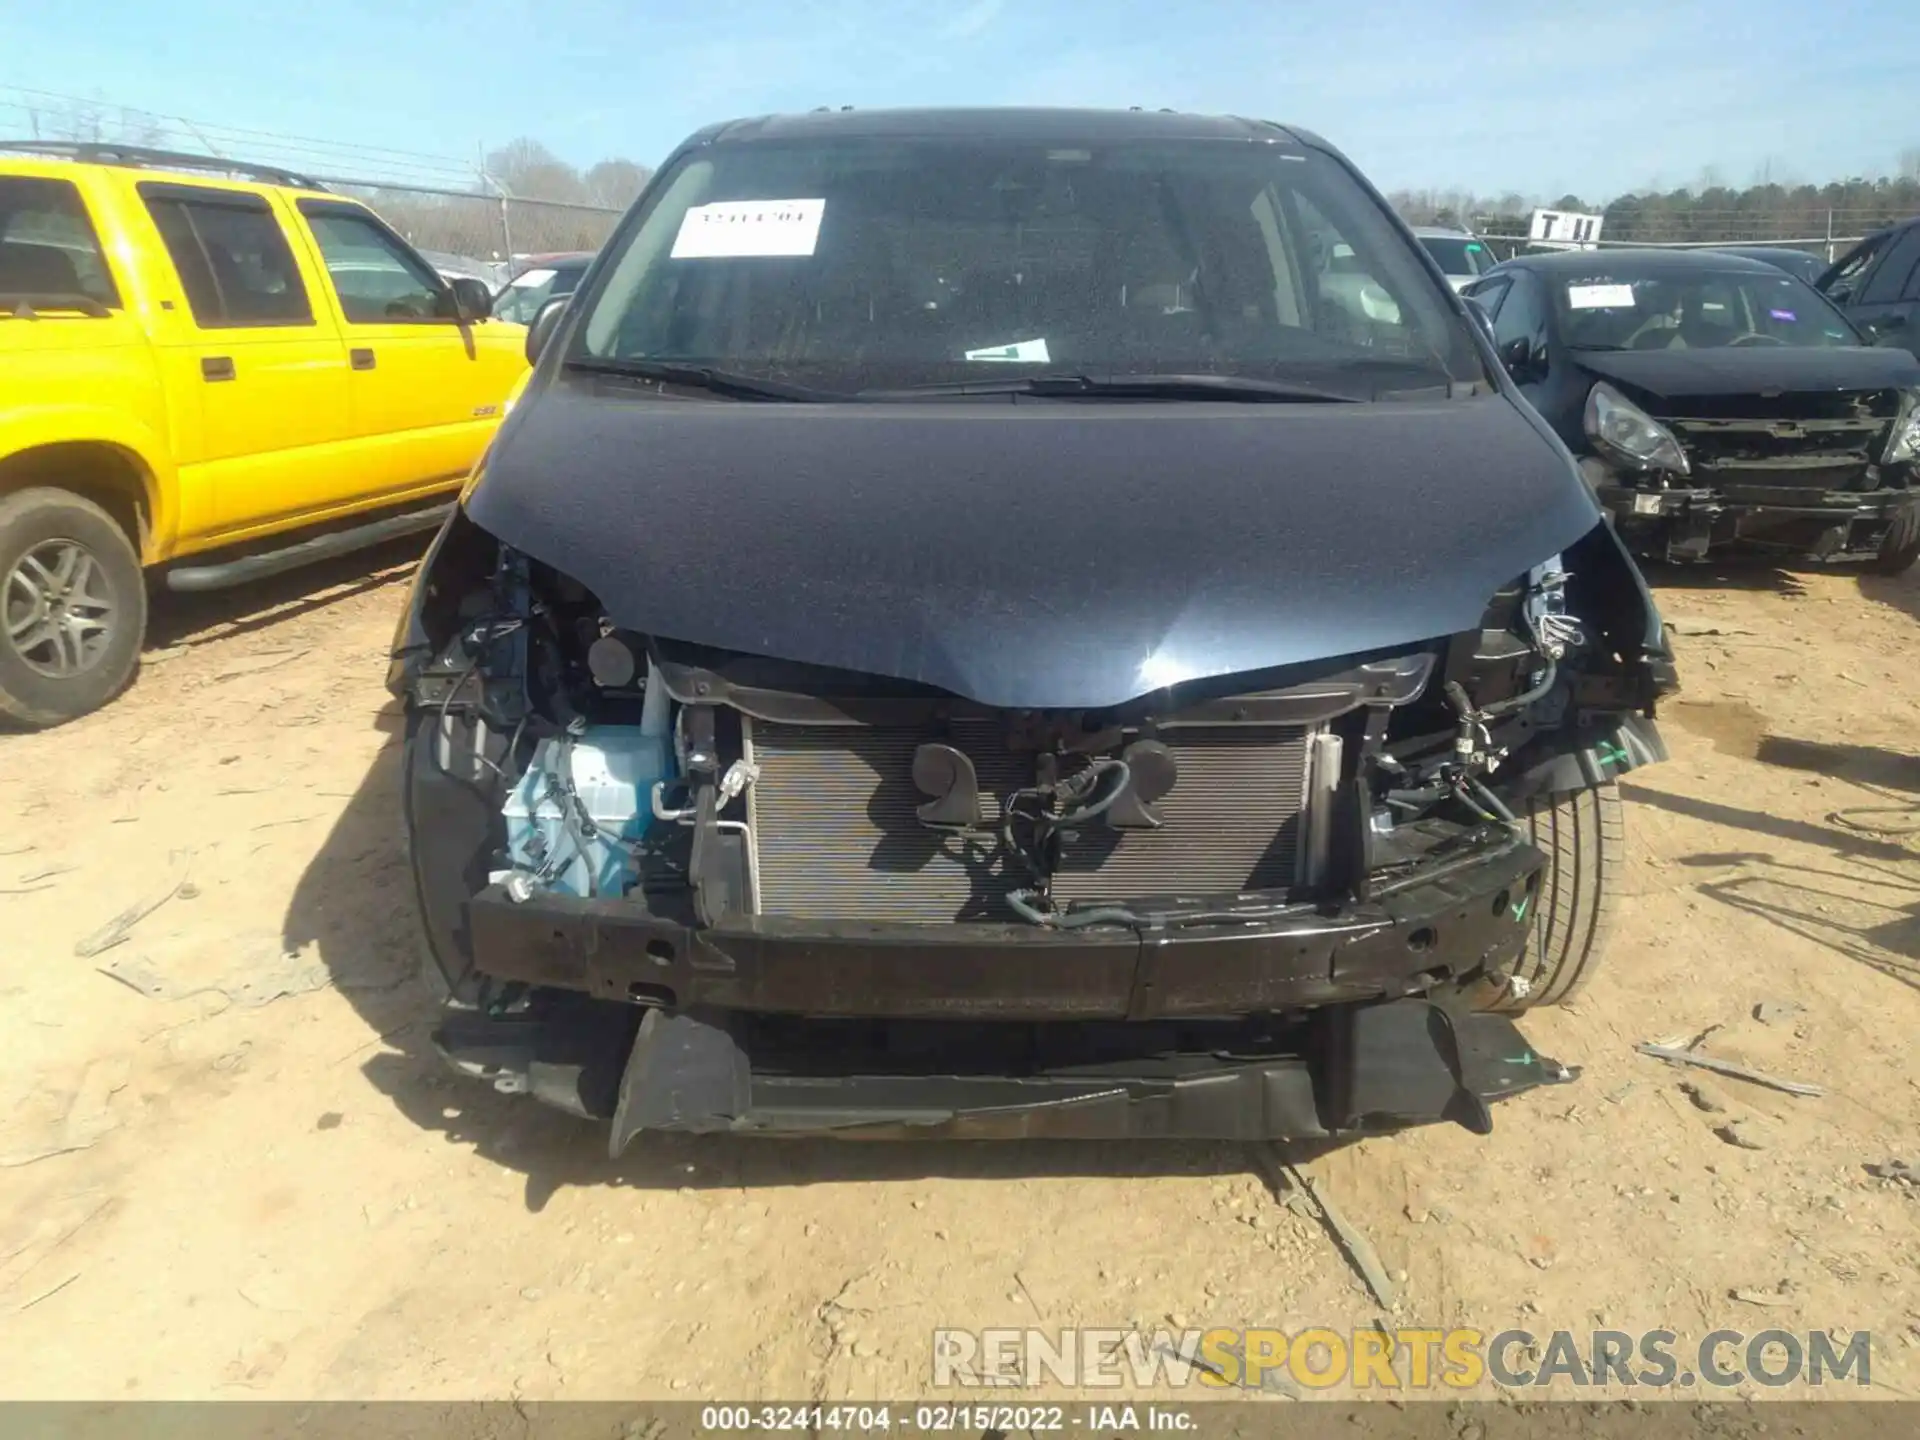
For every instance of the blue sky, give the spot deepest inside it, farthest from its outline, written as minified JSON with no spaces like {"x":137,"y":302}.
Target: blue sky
{"x":1491,"y":95}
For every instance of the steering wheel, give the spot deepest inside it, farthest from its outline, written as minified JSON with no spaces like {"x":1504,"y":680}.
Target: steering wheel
{"x":1755,"y":337}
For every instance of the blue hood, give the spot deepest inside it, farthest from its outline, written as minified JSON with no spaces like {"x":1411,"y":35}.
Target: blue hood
{"x":1040,"y":554}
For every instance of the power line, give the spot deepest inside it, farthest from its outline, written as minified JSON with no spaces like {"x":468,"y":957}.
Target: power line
{"x":25,"y":109}
{"x":274,"y":135}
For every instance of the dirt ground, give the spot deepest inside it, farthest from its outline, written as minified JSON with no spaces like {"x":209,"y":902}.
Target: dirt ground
{"x":232,"y":1166}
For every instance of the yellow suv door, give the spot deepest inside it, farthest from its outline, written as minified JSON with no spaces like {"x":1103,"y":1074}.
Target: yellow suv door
{"x":255,"y":366}
{"x":428,"y":385}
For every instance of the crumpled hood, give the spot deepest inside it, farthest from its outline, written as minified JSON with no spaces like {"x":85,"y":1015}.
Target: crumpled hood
{"x":1753,"y":369}
{"x":1042,"y":554}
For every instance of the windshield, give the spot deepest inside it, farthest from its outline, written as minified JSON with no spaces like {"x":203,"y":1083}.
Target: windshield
{"x":1851,"y":266}
{"x":520,"y":299}
{"x":1456,"y":255}
{"x":1695,"y":310}
{"x":1797,"y":263}
{"x":882,"y":264}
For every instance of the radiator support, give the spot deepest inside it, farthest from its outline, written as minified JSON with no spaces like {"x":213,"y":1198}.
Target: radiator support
{"x":834,"y":833}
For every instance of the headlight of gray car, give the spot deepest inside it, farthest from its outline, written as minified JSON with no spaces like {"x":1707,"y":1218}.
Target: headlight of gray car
{"x":1621,"y":429}
{"x":1904,"y":443}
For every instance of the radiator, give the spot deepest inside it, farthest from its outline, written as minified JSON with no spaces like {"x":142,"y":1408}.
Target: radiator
{"x":835,"y":835}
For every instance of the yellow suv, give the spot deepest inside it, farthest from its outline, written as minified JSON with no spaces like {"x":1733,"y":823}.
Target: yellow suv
{"x":255,"y":373}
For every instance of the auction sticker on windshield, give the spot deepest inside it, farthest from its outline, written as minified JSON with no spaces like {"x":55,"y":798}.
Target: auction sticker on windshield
{"x":749,"y":229}
{"x":1599,"y":297}
{"x":1019,"y":350}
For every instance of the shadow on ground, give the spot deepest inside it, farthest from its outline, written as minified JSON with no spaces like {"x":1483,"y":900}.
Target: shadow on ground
{"x":1881,"y":933}
{"x":1722,"y":574}
{"x":1738,"y":728}
{"x":1869,"y":765}
{"x":182,"y":620}
{"x":1867,"y":912}
{"x":1778,"y":827}
{"x":355,"y":904}
{"x":1901,"y":592}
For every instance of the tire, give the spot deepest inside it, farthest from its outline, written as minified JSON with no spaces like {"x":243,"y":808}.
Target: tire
{"x":1584,"y":838}
{"x":1902,"y":545}
{"x":73,"y":607}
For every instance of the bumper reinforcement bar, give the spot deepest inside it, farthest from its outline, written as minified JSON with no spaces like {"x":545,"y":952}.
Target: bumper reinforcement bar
{"x":1444,"y":919}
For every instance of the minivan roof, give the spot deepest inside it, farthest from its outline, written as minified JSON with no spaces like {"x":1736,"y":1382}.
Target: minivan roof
{"x":1011,"y":123}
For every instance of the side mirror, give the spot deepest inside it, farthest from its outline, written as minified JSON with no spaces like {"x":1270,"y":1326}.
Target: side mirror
{"x":545,"y":322}
{"x":471,"y":298}
{"x":1518,"y":358}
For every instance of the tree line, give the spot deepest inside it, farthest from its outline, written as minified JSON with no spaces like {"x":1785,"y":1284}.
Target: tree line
{"x":1708,"y":210}
{"x":527,"y":200}
{"x":529,"y":170}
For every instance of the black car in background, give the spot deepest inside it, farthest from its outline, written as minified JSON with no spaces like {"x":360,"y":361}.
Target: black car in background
{"x":1877,"y":285}
{"x":541,"y":278}
{"x":1801,"y":264}
{"x":1713,"y":400}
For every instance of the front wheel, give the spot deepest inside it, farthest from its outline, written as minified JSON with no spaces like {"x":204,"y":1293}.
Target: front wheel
{"x":1902,"y":545}
{"x":1583,"y":835}
{"x":73,"y":607}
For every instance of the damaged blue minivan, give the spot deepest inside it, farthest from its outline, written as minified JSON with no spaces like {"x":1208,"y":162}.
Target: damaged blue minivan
{"x":1018,"y":623}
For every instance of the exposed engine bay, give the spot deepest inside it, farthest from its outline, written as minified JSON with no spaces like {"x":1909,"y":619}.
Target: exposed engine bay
{"x":631,"y":763}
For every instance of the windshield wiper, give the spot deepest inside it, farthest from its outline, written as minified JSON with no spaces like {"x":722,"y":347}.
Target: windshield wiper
{"x":1198,"y":386}
{"x":699,"y":377}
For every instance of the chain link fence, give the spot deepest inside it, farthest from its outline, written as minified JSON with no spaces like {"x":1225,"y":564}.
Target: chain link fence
{"x":1823,"y":232}
{"x":486,"y":224}
{"x":1808,"y":227}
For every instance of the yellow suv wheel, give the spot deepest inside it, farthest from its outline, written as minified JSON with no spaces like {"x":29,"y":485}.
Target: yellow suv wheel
{"x":73,"y":607}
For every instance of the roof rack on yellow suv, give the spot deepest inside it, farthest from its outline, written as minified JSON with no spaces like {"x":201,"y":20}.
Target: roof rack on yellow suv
{"x":147,"y":157}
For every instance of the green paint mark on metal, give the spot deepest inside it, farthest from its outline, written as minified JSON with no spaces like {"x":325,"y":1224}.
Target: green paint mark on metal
{"x":1610,"y":753}
{"x":1520,"y":907}
{"x":1524,"y":1058}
